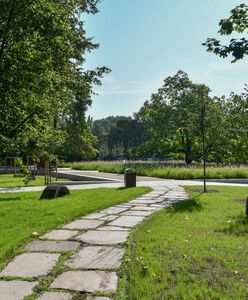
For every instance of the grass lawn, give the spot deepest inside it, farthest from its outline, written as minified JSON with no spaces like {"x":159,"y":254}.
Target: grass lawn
{"x":8,"y":180}
{"x":22,"y":213}
{"x":196,"y":250}
{"x":163,"y":170}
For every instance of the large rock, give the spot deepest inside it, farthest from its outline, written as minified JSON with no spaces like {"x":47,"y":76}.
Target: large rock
{"x":54,"y":191}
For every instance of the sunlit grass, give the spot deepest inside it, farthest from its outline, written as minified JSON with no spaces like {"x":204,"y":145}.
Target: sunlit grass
{"x":163,"y":170}
{"x":196,"y":250}
{"x":8,"y":180}
{"x":23,"y":213}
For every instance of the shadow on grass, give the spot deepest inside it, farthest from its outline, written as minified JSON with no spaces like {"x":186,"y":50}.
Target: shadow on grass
{"x":10,"y":199}
{"x":122,"y":188}
{"x":239,"y":226}
{"x":185,"y":206}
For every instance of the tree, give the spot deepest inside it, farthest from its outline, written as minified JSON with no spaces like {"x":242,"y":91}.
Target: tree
{"x":237,"y":22}
{"x":177,"y":123}
{"x":119,"y":136}
{"x":237,"y":116}
{"x":42,"y":50}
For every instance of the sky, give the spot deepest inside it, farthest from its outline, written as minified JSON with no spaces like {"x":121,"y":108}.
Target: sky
{"x":145,"y":41}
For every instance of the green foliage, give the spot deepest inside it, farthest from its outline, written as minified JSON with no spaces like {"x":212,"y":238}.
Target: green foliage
{"x":23,"y":170}
{"x":237,"y":116}
{"x":173,"y":119}
{"x":118,"y":137}
{"x":42,"y":74}
{"x":195,"y":250}
{"x":237,"y":22}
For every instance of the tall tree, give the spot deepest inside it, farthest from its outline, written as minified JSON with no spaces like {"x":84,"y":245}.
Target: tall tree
{"x":237,"y":116}
{"x":173,"y":118}
{"x":42,"y":54}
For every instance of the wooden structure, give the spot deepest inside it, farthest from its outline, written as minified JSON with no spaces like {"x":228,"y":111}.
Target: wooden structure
{"x":48,"y":169}
{"x":12,"y":160}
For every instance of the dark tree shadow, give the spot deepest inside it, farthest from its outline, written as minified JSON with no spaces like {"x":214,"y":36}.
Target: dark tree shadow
{"x":185,"y":206}
{"x":10,"y":198}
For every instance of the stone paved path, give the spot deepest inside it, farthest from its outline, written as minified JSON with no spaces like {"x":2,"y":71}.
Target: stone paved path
{"x":96,"y":243}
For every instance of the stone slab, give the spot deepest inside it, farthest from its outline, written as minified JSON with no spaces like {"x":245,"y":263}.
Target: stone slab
{"x":140,"y":204}
{"x":162,"y":205}
{"x":60,"y":234}
{"x":16,"y":290}
{"x":55,"y":246}
{"x":145,"y":201}
{"x":96,"y":257}
{"x":109,"y":218}
{"x":145,"y":208}
{"x":137,"y":213}
{"x":102,"y":237}
{"x":87,"y":281}
{"x":54,"y":296}
{"x":94,"y":298}
{"x":83,"y":224}
{"x":113,"y":210}
{"x":31,"y":265}
{"x":114,"y":228}
{"x":94,"y":216}
{"x":127,"y":221}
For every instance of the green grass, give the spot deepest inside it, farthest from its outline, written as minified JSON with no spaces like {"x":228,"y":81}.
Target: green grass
{"x":196,"y":250}
{"x":8,"y":180}
{"x":22,"y":213}
{"x":163,"y":170}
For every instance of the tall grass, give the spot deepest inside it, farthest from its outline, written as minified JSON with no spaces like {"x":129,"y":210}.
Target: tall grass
{"x":163,"y":169}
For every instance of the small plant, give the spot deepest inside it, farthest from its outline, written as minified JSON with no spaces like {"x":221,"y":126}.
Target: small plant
{"x":23,"y":170}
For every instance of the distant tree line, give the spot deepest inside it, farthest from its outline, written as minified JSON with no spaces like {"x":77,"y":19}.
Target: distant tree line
{"x":170,"y":126}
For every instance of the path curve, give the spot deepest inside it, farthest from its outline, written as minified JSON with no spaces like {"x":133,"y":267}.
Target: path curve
{"x":96,"y":242}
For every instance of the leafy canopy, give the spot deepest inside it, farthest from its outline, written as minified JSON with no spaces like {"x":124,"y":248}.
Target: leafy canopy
{"x":42,"y":75}
{"x":237,"y":22}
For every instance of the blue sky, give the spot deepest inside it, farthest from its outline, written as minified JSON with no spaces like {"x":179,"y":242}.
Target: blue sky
{"x":144,"y":41}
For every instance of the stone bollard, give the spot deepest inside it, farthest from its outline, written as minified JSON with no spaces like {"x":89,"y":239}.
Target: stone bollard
{"x":130,"y":178}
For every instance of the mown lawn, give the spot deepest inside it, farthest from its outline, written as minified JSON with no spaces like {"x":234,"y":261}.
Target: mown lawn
{"x":8,"y":180}
{"x":196,"y":250}
{"x":21,"y":214}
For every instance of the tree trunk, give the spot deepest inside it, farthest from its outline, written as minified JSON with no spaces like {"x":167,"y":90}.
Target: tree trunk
{"x":188,"y":159}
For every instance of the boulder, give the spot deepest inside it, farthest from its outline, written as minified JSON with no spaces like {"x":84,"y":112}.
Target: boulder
{"x":54,"y":191}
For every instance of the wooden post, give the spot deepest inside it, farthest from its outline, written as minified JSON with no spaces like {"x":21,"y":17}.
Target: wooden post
{"x":49,"y":169}
{"x":46,"y":172}
{"x":246,"y":209}
{"x":56,"y":166}
{"x":203,"y":132}
{"x":14,"y":165}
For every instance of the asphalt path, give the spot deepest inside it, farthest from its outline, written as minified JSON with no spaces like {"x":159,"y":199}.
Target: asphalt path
{"x":117,"y":181}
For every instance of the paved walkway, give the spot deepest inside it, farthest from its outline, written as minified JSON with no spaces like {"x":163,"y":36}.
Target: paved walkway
{"x":153,"y":184}
{"x":96,"y":242}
